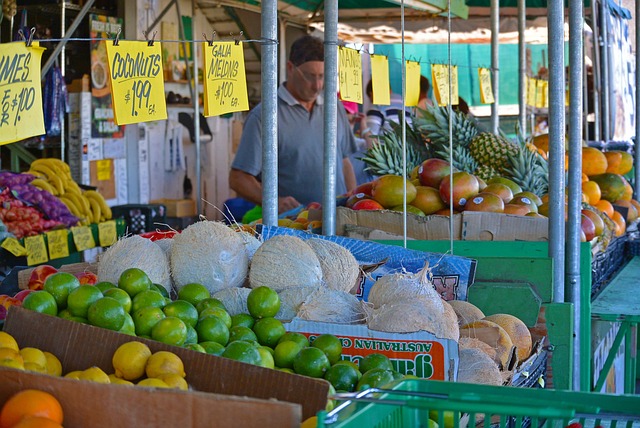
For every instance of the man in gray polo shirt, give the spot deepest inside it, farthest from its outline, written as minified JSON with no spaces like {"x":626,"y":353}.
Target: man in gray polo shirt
{"x":300,"y":136}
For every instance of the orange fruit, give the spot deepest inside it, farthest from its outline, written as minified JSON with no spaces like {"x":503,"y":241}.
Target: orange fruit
{"x":585,"y":177}
{"x":594,"y":162}
{"x":632,"y":212}
{"x":36,"y":422}
{"x":311,"y":362}
{"x":330,"y":345}
{"x":619,"y":162}
{"x":30,"y":402}
{"x":621,"y":224}
{"x":592,"y":190}
{"x":605,"y":206}
{"x":263,"y":302}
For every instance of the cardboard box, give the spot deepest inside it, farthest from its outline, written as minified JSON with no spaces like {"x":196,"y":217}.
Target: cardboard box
{"x":80,"y":346}
{"x":178,"y":207}
{"x":467,"y":226}
{"x":73,"y":268}
{"x":89,"y":404}
{"x":420,"y":354}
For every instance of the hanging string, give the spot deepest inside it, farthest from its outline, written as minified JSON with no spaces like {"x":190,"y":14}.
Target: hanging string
{"x":450,"y":110}
{"x":403,"y":118}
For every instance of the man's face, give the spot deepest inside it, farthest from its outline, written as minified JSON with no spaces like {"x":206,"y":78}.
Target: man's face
{"x":306,"y":81}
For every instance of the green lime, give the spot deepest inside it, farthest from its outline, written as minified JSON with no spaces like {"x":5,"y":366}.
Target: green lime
{"x":192,"y":335}
{"x":350,"y":364}
{"x":121,"y":296}
{"x":311,"y":362}
{"x":244,"y":320}
{"x":60,"y":285}
{"x":217,"y":312}
{"x":128,"y":327}
{"x":210,"y":302}
{"x":183,"y":310}
{"x":41,"y":301}
{"x":193,"y":293}
{"x":241,"y":332}
{"x":294,"y":336}
{"x":147,"y":298}
{"x":286,"y":370}
{"x":212,"y":348}
{"x":133,"y":281}
{"x":160,"y":289}
{"x":106,"y":312}
{"x":145,"y":318}
{"x":375,"y":361}
{"x":374,"y":378}
{"x":342,"y":377}
{"x":330,"y":345}
{"x":81,"y":298}
{"x":212,"y":329}
{"x":242,"y":351}
{"x":266,"y":357}
{"x":195,"y":347}
{"x":170,"y":330}
{"x":67,"y":315}
{"x":263,"y":302}
{"x":285,"y":352}
{"x":269,"y":331}
{"x":104,"y":285}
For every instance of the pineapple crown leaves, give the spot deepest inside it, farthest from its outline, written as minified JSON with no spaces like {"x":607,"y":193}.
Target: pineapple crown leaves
{"x":385,"y":157}
{"x":434,"y":124}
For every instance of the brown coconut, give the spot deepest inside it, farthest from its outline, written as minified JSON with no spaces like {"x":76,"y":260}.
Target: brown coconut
{"x":284,"y":261}
{"x":333,"y":306}
{"x":234,"y":299}
{"x":291,"y":298}
{"x":466,"y":312}
{"x":517,"y":331}
{"x":492,"y":334}
{"x":400,"y":286}
{"x":477,"y":367}
{"x":340,"y":269}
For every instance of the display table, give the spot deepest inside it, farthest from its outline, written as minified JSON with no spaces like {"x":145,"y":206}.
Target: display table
{"x":620,"y":302}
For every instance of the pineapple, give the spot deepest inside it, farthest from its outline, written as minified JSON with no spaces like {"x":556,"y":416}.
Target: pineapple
{"x":460,"y":159}
{"x":529,"y":170}
{"x":486,"y":172}
{"x":492,"y":150}
{"x":385,"y":157}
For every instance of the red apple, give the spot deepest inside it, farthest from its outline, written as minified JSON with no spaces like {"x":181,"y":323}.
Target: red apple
{"x":38,"y":276}
{"x":432,"y":171}
{"x":363,"y":188}
{"x":20,"y":295}
{"x":367,"y":204}
{"x":86,"y":278}
{"x":588,"y":227}
{"x":351,"y":200}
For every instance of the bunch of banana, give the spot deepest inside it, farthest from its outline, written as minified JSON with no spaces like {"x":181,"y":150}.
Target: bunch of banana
{"x":99,"y":208}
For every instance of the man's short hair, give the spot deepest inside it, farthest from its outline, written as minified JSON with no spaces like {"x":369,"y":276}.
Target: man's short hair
{"x":305,"y":49}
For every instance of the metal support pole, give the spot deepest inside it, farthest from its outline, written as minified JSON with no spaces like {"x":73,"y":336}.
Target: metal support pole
{"x":184,"y":45}
{"x":636,"y":152}
{"x":604,"y":28}
{"x":495,"y":64}
{"x":522,"y":68}
{"x":283,"y":52}
{"x":597,"y":82}
{"x":269,"y":70}
{"x":572,"y":284}
{"x":330,"y":116}
{"x":196,"y":108}
{"x":555,"y":19}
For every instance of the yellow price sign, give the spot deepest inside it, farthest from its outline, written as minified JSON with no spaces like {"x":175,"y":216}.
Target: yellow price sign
{"x":486,"y":90}
{"x":107,"y":233}
{"x":412,"y":73}
{"x":380,"y":80}
{"x":103,"y":169}
{"x":350,"y":74}
{"x":443,"y":76}
{"x":36,"y":250}
{"x":531,"y":91}
{"x":137,"y":82}
{"x":83,"y":238}
{"x":225,"y":81}
{"x":21,"y":113}
{"x":58,"y":244}
{"x":13,"y":246}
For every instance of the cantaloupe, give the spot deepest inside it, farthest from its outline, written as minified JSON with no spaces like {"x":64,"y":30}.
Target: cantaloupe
{"x":477,"y":367}
{"x":492,"y":334}
{"x":340,"y":269}
{"x":466,"y":312}
{"x":517,"y":331}
{"x":211,"y":254}
{"x":135,"y":252}
{"x":472,"y":342}
{"x":234,"y":299}
{"x":284,"y":261}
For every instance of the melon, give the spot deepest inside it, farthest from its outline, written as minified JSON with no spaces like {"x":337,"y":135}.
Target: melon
{"x":234,"y":299}
{"x":135,"y":252}
{"x":466,"y":312}
{"x":211,"y":254}
{"x":477,"y":367}
{"x":472,"y":342}
{"x":340,"y":269}
{"x":492,"y":334}
{"x":517,"y":331}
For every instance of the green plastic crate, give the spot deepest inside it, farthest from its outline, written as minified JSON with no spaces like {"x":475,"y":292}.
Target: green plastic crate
{"x":408,"y":403}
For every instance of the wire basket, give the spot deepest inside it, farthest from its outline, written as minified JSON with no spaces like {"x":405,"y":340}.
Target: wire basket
{"x":607,"y":263}
{"x":414,"y":402}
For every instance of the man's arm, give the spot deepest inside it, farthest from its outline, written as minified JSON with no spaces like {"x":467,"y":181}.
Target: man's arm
{"x":349,"y":174}
{"x":248,"y":187}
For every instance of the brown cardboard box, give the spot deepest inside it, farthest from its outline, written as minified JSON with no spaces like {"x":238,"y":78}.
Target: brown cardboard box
{"x":90,"y":404}
{"x":178,"y":207}
{"x":80,"y":346}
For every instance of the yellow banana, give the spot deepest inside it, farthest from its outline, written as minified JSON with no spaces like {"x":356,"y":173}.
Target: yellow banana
{"x":81,"y":202}
{"x":42,"y":184}
{"x":48,"y":163}
{"x":105,"y":209}
{"x":95,"y":209}
{"x":37,"y":174}
{"x":52,"y":177}
{"x":72,"y":187}
{"x":72,"y":207}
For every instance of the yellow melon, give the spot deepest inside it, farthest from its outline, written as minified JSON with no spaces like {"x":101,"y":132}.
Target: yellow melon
{"x":517,"y":331}
{"x":492,"y":334}
{"x":466,"y":312}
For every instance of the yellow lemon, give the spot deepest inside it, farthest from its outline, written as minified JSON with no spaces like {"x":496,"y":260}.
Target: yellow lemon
{"x":54,"y":366}
{"x":34,"y":367}
{"x":11,"y":358}
{"x":74,"y":374}
{"x":35,"y":356}
{"x":310,"y":422}
{"x":152,"y":383}
{"x":94,"y":374}
{"x":7,"y":341}
{"x":164,"y":362}
{"x":118,"y":381}
{"x":130,"y":360}
{"x":174,"y":381}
